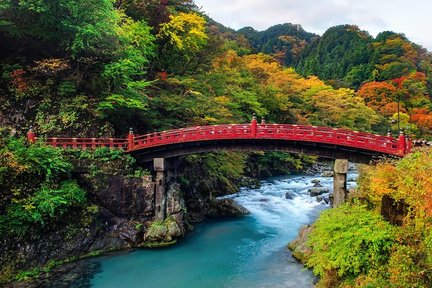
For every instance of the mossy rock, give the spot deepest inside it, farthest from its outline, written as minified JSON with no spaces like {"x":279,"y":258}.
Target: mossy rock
{"x":156,"y":232}
{"x":299,"y":247}
{"x":163,"y":231}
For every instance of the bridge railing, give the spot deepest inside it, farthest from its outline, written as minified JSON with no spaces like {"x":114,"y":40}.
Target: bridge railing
{"x":201,"y":133}
{"x":328,"y":135}
{"x":287,"y":132}
{"x":305,"y":133}
{"x":87,"y":143}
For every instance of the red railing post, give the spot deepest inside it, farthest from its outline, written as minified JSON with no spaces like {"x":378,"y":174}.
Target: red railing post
{"x":402,"y":144}
{"x":31,"y":137}
{"x":254,"y":127}
{"x":130,"y":140}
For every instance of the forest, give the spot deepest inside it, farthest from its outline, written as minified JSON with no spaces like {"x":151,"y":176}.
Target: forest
{"x":96,"y":68}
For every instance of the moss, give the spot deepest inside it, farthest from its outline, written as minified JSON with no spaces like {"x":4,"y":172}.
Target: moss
{"x":9,"y":274}
{"x":163,"y":231}
{"x":152,"y":244}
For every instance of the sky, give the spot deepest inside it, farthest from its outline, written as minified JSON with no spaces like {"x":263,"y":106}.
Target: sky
{"x":413,"y":18}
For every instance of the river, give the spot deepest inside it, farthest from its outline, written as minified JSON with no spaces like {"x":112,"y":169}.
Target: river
{"x":246,"y":252}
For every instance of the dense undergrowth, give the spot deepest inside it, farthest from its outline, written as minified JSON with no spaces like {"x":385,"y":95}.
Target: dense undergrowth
{"x":372,"y":242}
{"x":37,"y":185}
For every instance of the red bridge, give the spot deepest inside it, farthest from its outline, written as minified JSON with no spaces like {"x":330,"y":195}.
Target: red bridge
{"x":321,"y":141}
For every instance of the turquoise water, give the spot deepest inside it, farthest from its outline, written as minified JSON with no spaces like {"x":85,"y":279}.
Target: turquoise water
{"x":246,"y":252}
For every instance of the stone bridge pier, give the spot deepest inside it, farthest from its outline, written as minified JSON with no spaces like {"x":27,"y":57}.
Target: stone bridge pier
{"x":340,"y":192}
{"x":165,"y":173}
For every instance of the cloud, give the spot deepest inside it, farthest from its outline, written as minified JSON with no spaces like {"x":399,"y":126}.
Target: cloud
{"x":319,"y":15}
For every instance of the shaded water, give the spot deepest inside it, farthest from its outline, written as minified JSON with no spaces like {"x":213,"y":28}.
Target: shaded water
{"x":246,"y":252}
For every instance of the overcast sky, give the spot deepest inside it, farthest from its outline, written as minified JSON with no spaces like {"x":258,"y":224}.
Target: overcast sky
{"x":413,"y":18}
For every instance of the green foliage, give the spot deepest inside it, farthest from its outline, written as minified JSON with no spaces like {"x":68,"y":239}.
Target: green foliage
{"x":341,"y":51}
{"x":185,"y":32}
{"x":180,"y":42}
{"x":43,"y":161}
{"x":81,"y":26}
{"x":47,"y":204}
{"x":286,"y":41}
{"x":212,"y":174}
{"x":261,"y":165}
{"x":351,"y":240}
{"x":103,"y":154}
{"x":354,"y":247}
{"x":126,"y":72}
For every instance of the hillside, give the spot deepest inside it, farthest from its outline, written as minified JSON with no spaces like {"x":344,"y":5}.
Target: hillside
{"x":286,"y":42}
{"x":96,"y":69}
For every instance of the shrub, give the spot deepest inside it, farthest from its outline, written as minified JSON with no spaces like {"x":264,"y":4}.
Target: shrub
{"x":350,"y":240}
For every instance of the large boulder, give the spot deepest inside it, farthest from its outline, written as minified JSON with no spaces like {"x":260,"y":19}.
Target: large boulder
{"x":316,"y":191}
{"x":163,"y":232}
{"x":299,"y":247}
{"x":156,"y":232}
{"x":289,"y":195}
{"x":123,"y":197}
{"x":226,"y":207}
{"x":327,"y":174}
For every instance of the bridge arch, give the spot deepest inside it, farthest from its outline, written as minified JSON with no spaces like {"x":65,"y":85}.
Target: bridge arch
{"x":325,"y":142}
{"x":159,"y":147}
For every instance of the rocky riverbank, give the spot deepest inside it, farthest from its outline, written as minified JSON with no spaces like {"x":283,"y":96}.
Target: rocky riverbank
{"x":120,"y":215}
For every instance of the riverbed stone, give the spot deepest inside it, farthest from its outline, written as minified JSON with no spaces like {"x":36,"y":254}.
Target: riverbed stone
{"x":315,"y":191}
{"x":299,"y":247}
{"x":289,"y":195}
{"x":327,"y":174}
{"x":156,"y":232}
{"x":318,"y":185}
{"x":226,"y":207}
{"x":324,"y":198}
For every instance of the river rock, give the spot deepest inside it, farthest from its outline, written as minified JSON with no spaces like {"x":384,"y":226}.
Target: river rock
{"x":130,"y":231}
{"x":156,"y":232}
{"x":289,"y":195}
{"x":299,"y":247}
{"x":319,"y":167}
{"x":326,"y":199}
{"x":226,"y":207}
{"x":315,"y":191}
{"x":327,"y":174}
{"x":315,"y":181}
{"x":163,"y":231}
{"x":174,"y":229}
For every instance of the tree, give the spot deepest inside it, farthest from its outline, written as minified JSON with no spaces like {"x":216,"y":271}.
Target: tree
{"x":378,"y":95}
{"x":60,"y":27}
{"x":126,"y":73}
{"x":180,"y":40}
